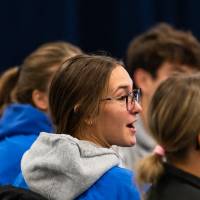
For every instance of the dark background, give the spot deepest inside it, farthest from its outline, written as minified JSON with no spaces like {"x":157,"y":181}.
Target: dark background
{"x":94,"y":25}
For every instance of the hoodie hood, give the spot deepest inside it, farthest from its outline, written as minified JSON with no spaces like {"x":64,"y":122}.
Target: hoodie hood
{"x":23,"y":119}
{"x":61,"y":167}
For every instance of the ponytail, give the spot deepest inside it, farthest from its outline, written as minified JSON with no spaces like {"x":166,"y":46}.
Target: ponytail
{"x":8,"y":81}
{"x":149,"y":169}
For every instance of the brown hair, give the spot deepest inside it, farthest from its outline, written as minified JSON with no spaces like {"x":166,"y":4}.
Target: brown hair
{"x":174,"y":122}
{"x":162,"y":44}
{"x":79,"y":85}
{"x":35,"y":72}
{"x":7,"y":82}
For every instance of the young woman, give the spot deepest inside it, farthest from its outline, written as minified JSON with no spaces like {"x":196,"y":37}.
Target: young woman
{"x":24,"y":105}
{"x":93,"y":106}
{"x":174,"y":120}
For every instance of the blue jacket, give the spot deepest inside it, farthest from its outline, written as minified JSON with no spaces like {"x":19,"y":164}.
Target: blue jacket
{"x":20,"y":125}
{"x":115,"y":184}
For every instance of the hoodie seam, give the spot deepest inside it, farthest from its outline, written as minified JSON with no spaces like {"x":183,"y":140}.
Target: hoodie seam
{"x":52,"y":184}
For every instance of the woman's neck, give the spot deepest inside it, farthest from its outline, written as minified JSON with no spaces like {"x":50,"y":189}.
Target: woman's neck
{"x":89,"y":135}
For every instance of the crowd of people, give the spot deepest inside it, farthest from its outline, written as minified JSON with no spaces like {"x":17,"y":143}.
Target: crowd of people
{"x":81,"y":126}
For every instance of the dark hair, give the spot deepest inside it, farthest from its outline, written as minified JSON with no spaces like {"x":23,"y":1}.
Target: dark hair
{"x":77,"y":89}
{"x":174,"y":117}
{"x":162,"y":44}
{"x":35,"y":72}
{"x":8,"y":192}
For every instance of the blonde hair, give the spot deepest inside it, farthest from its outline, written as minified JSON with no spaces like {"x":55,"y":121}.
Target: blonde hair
{"x":174,"y":122}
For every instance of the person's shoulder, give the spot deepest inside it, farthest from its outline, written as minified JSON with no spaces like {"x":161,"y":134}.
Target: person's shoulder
{"x":175,"y":186}
{"x":119,"y":174}
{"x":173,"y":192}
{"x":116,"y":183}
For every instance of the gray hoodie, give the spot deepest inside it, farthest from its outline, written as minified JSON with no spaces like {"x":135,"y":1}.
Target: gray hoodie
{"x":61,"y":167}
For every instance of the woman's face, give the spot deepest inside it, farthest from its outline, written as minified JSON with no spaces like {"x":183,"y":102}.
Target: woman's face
{"x":115,"y":124}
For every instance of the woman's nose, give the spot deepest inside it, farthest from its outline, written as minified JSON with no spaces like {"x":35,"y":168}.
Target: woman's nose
{"x":137,"y":108}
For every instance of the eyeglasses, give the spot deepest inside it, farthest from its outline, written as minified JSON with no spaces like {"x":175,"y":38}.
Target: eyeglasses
{"x":130,"y":98}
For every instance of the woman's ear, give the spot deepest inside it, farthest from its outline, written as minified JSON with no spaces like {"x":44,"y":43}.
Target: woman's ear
{"x":40,"y":100}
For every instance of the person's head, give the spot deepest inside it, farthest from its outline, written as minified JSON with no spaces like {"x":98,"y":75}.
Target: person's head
{"x":174,"y":122}
{"x":155,"y":54}
{"x":8,"y":192}
{"x":7,"y":82}
{"x":87,"y":100}
{"x":32,"y":78}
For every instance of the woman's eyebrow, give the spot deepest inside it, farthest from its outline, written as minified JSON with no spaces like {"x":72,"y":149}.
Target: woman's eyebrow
{"x":124,"y":87}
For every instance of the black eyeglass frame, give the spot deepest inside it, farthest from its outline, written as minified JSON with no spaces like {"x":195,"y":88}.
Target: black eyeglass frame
{"x":135,"y":97}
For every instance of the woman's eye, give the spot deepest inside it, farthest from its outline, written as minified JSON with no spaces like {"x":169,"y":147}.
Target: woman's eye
{"x":122,"y":98}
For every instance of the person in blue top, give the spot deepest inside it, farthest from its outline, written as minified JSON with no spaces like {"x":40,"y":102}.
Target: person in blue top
{"x":24,"y":104}
{"x":93,"y":105}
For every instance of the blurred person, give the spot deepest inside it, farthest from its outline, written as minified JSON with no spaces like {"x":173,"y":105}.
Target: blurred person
{"x":24,"y":104}
{"x":78,"y":162}
{"x":7,"y":82}
{"x":151,"y":58}
{"x":174,"y":115}
{"x":9,"y":192}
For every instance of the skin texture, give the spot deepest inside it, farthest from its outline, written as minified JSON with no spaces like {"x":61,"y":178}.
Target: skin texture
{"x":110,"y":126}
